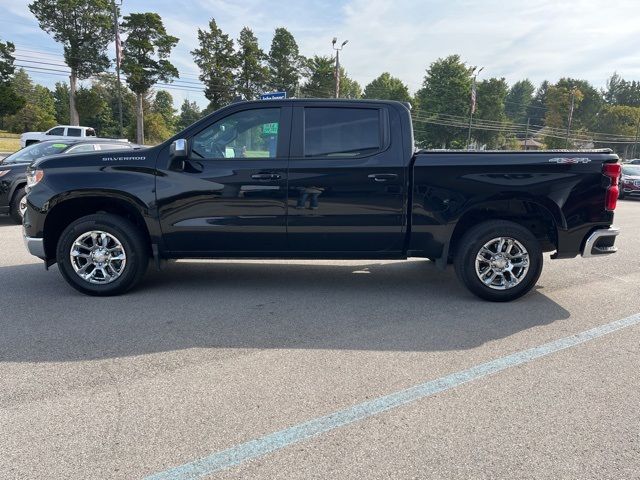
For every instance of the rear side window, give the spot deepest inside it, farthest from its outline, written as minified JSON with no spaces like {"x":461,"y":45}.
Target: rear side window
{"x":341,"y":132}
{"x":56,"y":131}
{"x":74,"y":132}
{"x":114,"y":146}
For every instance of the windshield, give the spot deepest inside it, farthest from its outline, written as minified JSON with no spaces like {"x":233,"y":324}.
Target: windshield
{"x":35,"y":151}
{"x":631,"y":170}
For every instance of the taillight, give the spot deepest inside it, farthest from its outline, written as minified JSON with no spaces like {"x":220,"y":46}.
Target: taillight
{"x":612,"y":170}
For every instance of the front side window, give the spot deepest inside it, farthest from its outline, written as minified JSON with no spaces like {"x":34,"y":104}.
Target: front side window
{"x":74,"y":132}
{"x":35,"y":151}
{"x":341,"y":132}
{"x":246,"y":134}
{"x":56,"y":131}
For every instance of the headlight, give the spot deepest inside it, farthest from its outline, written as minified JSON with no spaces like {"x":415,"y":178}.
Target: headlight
{"x":34,"y":177}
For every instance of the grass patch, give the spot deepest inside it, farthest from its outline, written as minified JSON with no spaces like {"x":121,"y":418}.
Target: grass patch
{"x":9,"y":142}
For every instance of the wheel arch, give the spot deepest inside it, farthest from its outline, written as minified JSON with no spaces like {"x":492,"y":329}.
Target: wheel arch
{"x":541,"y":219}
{"x":67,"y":208}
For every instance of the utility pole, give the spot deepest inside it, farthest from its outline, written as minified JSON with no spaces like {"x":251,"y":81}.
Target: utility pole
{"x":635,"y":142}
{"x":337,"y":72}
{"x":573,"y":98}
{"x":526,"y":134}
{"x":118,"y":60}
{"x":473,"y":102}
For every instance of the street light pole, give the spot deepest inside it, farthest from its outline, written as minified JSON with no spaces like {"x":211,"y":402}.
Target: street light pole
{"x":473,"y":102}
{"x":118,"y":59}
{"x":337,"y":71}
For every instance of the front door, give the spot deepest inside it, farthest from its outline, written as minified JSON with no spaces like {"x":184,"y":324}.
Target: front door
{"x":229,"y":196}
{"x":346,"y":181}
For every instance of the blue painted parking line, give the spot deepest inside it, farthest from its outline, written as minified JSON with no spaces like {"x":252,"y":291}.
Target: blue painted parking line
{"x":275,"y":441}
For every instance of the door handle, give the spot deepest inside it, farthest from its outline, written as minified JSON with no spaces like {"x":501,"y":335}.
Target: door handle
{"x":265,"y":176}
{"x":383,"y":177}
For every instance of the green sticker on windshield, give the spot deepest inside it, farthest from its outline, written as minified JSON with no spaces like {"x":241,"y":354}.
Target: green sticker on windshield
{"x":59,"y":145}
{"x":270,"y":129}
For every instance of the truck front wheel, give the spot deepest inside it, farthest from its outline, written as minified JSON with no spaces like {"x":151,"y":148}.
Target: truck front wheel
{"x":102,"y":254}
{"x":498,"y":260}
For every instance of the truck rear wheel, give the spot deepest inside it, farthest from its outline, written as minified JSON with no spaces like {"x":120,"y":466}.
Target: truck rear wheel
{"x":102,"y":254}
{"x":498,"y":260}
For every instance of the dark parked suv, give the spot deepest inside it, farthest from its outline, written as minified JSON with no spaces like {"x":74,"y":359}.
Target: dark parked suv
{"x":13,"y":168}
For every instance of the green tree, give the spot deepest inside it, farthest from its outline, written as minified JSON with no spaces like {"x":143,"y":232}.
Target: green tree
{"x":349,"y":88}
{"x":559,"y":98}
{"x":38,"y":113}
{"x":446,"y":89}
{"x":84,"y":28}
{"x":252,"y":71}
{"x":145,"y":55}
{"x":491,"y":95}
{"x":518,"y":101}
{"x":189,"y":114}
{"x":217,"y":62}
{"x":285,"y":63}
{"x":619,"y":120}
{"x":321,"y":81}
{"x":163,"y":104}
{"x":586,"y":112}
{"x":107,"y":85}
{"x":386,"y":87}
{"x":10,"y":101}
{"x":538,"y":106}
{"x":61,"y":102}
{"x":622,"y":92}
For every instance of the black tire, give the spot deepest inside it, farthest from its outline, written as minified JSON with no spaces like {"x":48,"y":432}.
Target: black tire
{"x":18,"y":195}
{"x":470,"y":246}
{"x":621,"y":195}
{"x":131,"y":240}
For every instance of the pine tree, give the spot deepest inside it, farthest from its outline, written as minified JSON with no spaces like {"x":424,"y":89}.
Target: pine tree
{"x":252,"y":71}
{"x":285,"y":63}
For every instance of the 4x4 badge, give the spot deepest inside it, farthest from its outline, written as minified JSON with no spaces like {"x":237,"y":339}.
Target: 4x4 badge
{"x":570,"y":160}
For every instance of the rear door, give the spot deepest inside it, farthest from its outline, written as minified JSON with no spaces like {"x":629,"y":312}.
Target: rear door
{"x":229,"y":197}
{"x":346,"y":180}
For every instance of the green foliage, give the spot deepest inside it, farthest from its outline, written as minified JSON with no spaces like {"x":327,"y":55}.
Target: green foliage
{"x":252,"y":74}
{"x":285,"y":63}
{"x":321,"y":82}
{"x":538,"y":106}
{"x":618,"y":120}
{"x":61,"y":102}
{"x":163,"y":104}
{"x":189,"y":114}
{"x":83,"y":27}
{"x":446,"y":89}
{"x":518,"y":101}
{"x":146,"y":50}
{"x":386,"y":87}
{"x":217,"y":62}
{"x":10,"y":101}
{"x":38,"y":114}
{"x":622,"y":92}
{"x":156,"y":129}
{"x":491,"y":95}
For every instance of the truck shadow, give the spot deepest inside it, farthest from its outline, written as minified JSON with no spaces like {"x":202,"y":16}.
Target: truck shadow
{"x":396,"y":306}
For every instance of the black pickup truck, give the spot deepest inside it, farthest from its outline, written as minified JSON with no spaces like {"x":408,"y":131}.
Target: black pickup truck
{"x":318,"y":179}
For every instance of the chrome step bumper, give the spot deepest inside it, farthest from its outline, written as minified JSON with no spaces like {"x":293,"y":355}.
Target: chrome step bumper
{"x":35,"y":246}
{"x":601,"y":242}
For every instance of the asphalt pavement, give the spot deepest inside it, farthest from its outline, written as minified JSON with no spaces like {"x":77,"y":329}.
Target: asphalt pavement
{"x":206,"y":356}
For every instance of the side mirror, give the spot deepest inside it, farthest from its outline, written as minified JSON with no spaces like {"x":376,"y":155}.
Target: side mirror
{"x":179,"y":148}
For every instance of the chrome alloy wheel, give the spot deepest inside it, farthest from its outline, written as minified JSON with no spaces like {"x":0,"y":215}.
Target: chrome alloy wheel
{"x":22,"y":206}
{"x":98,"y":257}
{"x":502,"y":263}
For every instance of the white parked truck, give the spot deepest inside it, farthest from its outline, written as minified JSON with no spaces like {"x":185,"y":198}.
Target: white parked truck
{"x":58,"y":133}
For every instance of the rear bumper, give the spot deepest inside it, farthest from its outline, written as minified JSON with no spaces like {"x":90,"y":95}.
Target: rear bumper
{"x":35,"y":246}
{"x":600,"y":242}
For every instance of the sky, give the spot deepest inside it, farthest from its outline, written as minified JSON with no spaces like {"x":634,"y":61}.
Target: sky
{"x":539,"y":40}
